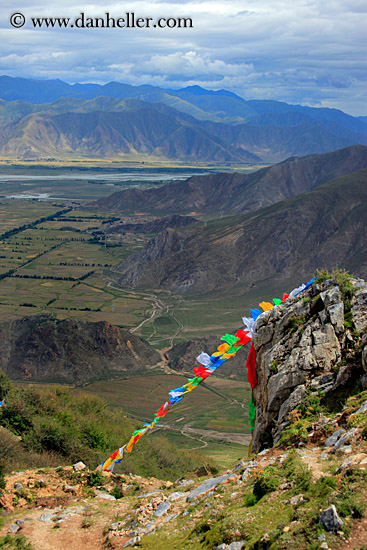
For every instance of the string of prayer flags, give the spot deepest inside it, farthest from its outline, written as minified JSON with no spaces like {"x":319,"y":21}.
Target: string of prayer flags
{"x":232,"y":344}
{"x":207,"y":365}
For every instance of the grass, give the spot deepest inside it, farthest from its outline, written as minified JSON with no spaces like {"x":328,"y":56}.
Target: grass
{"x":259,"y":511}
{"x":15,"y":542}
{"x":51,"y":424}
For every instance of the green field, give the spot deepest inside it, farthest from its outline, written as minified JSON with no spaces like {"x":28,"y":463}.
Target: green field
{"x":61,"y":265}
{"x":213,"y":419}
{"x":215,"y":405}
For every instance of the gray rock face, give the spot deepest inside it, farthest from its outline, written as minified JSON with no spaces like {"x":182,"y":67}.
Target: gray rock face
{"x":362,"y":408}
{"x":298,"y":346}
{"x":104,"y":496}
{"x":240,"y":467}
{"x":359,"y":309}
{"x":330,"y":520}
{"x":344,"y":439}
{"x":236,"y":545}
{"x":13,"y":528}
{"x":334,"y":437}
{"x":132,"y":541}
{"x":162,"y":508}
{"x":295,"y":398}
{"x":177,"y":495}
{"x":46,"y":517}
{"x":207,"y":486}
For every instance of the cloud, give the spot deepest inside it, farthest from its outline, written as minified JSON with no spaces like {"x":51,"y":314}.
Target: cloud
{"x":307,"y":51}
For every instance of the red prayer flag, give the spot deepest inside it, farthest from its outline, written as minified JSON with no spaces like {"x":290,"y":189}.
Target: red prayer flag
{"x":244,"y":337}
{"x":251,"y":367}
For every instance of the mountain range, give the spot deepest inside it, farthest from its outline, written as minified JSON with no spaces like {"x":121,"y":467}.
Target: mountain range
{"x":50,"y":118}
{"x":323,"y":227}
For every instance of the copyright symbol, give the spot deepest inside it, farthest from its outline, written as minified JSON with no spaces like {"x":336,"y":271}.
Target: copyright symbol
{"x":17,"y":20}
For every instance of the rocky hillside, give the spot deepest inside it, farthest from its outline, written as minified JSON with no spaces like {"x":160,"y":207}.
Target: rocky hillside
{"x":277,"y":245}
{"x":42,"y":348}
{"x":155,"y":226}
{"x":235,"y":193}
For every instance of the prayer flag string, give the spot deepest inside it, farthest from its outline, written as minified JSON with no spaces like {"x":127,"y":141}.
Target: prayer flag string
{"x":207,"y":365}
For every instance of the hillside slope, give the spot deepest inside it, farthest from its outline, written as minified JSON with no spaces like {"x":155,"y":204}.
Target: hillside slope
{"x":284,"y":242}
{"x":41,"y":348}
{"x":235,"y":193}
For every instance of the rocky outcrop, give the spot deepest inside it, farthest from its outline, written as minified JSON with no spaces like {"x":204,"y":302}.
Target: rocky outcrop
{"x":42,"y":348}
{"x":314,"y":343}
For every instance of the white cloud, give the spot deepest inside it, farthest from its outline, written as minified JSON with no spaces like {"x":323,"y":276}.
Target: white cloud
{"x":305,"y":51}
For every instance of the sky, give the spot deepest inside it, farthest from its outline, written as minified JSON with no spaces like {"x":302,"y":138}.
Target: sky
{"x":309,"y":52}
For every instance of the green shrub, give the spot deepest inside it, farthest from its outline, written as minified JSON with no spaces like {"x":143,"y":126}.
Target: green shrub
{"x":95,"y":437}
{"x":2,"y":479}
{"x":250,"y":500}
{"x":95,"y":479}
{"x":293,"y":324}
{"x":59,"y":427}
{"x":323,"y":486}
{"x":350,"y":506}
{"x":267,"y":482}
{"x":5,"y":385}
{"x":297,"y":471}
{"x":51,"y":435}
{"x":117,"y":492}
{"x":274,"y":367}
{"x":295,"y":432}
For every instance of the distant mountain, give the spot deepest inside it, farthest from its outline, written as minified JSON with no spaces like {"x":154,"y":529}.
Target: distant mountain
{"x":220,"y":105}
{"x":231,"y":193}
{"x":247,"y":131}
{"x":324,"y":228}
{"x":135,"y":128}
{"x":41,"y":348}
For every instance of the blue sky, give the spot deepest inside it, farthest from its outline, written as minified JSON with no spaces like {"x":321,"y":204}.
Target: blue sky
{"x":300,"y":51}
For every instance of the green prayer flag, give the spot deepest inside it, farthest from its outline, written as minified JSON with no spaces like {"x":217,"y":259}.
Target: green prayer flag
{"x":196,"y":380}
{"x":230,"y":339}
{"x":251,"y":414}
{"x":277,"y":301}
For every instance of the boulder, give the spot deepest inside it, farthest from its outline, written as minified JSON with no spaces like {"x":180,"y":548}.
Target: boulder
{"x":330,"y":520}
